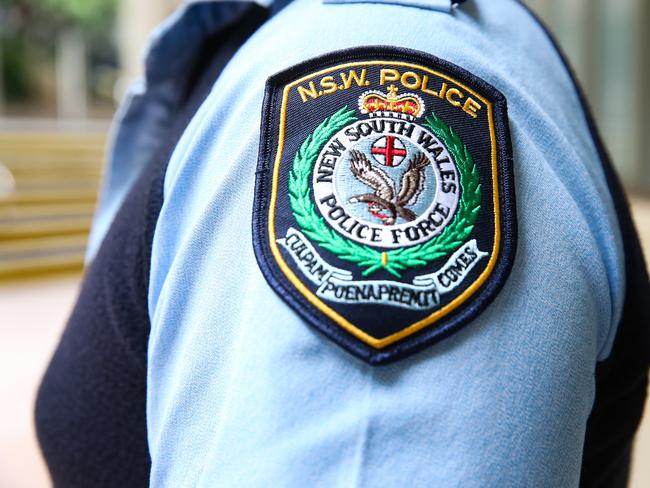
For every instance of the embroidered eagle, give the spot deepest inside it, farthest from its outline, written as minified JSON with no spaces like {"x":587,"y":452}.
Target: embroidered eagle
{"x":385,"y":197}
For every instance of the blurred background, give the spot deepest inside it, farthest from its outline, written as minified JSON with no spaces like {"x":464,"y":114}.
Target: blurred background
{"x":64,"y":66}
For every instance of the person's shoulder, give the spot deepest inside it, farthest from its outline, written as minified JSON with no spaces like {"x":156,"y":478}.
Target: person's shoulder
{"x":478,"y":87}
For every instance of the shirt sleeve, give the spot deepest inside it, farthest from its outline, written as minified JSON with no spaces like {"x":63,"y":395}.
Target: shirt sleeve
{"x":242,"y":392}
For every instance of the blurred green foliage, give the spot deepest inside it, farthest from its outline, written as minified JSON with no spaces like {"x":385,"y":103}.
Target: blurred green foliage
{"x":17,"y":83}
{"x":88,"y":15}
{"x":29,"y":32}
{"x":83,"y":13}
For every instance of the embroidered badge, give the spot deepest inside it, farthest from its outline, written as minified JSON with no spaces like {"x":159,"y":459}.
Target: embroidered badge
{"x":384,"y":207}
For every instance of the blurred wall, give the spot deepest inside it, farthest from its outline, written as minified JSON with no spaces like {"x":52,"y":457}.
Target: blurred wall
{"x":608,"y":44}
{"x":135,"y":21}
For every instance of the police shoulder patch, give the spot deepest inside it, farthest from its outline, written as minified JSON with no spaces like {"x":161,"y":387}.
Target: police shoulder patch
{"x":385,"y":211}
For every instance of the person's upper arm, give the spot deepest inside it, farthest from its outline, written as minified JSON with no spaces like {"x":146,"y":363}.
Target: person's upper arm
{"x":242,"y":391}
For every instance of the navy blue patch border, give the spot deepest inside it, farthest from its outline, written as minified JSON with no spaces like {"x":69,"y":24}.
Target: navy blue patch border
{"x":455,"y":320}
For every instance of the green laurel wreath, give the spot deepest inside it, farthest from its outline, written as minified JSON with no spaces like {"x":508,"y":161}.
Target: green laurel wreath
{"x":396,"y":261}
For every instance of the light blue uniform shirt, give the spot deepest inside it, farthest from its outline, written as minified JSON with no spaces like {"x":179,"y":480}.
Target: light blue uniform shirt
{"x":242,"y":393}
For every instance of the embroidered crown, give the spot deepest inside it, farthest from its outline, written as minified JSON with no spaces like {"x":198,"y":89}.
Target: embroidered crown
{"x":405,"y":106}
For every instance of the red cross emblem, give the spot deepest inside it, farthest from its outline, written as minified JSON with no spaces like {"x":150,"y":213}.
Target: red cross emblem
{"x":389,"y":151}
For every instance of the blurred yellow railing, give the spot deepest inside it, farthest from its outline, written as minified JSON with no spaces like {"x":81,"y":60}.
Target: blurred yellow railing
{"x":48,"y":189}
